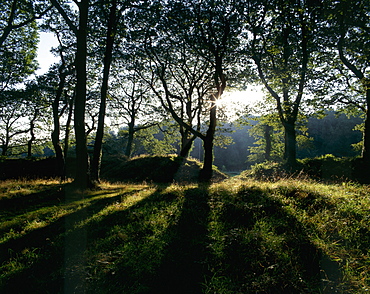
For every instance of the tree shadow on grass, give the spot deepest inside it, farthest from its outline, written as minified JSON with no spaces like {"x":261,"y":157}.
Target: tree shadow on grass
{"x":155,"y":246}
{"x":162,"y":244}
{"x":53,"y":255}
{"x":184,"y":266}
{"x":265,"y":248}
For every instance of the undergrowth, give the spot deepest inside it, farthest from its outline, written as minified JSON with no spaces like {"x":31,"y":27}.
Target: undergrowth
{"x":237,"y":236}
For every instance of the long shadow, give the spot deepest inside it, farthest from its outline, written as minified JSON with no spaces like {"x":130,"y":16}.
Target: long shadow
{"x":37,"y":237}
{"x":184,"y":266}
{"x":266,"y":248}
{"x":140,"y":260}
{"x":61,"y":251}
{"x":51,"y":195}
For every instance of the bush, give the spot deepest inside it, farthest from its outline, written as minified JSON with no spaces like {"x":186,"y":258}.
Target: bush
{"x":268,"y":170}
{"x":159,"y":169}
{"x":329,"y":167}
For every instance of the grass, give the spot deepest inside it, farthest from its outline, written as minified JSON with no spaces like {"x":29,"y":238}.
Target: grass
{"x":236,"y":236}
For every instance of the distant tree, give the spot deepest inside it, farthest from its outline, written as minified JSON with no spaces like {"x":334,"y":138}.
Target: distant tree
{"x":12,"y":111}
{"x":131,"y":104}
{"x":39,"y":113}
{"x":20,"y":115}
{"x":267,"y":131}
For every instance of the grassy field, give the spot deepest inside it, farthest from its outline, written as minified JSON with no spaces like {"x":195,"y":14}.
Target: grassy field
{"x":236,"y":236}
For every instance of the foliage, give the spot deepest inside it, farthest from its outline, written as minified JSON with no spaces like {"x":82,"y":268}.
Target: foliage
{"x":18,"y":41}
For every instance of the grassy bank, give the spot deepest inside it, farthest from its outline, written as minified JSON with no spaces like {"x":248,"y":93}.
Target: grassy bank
{"x":237,"y":236}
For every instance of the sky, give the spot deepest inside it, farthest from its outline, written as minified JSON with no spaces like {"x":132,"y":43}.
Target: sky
{"x":44,"y":56}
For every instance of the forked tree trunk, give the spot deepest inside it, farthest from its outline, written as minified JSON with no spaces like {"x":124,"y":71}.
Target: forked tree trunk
{"x":187,"y":139}
{"x":186,"y":144}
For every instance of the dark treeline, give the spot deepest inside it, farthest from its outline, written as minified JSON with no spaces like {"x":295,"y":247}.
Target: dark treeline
{"x":129,"y":70}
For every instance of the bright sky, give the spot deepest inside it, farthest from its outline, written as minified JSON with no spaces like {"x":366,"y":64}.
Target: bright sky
{"x":45,"y":57}
{"x":249,"y":96}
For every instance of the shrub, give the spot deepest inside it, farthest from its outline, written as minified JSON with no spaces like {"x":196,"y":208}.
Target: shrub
{"x":329,"y":167}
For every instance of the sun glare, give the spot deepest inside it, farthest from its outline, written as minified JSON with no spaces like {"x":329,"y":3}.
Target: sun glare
{"x":232,"y":100}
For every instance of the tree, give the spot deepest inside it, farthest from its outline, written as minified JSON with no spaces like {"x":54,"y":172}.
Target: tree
{"x":82,"y":179}
{"x":38,"y":112}
{"x":107,"y":60}
{"x":353,"y":23}
{"x":184,"y":82}
{"x":132,"y":104}
{"x":20,"y":114}
{"x":12,"y":111}
{"x":268,"y":134}
{"x":17,"y":14}
{"x":281,"y":44}
{"x":18,"y":40}
{"x":207,"y":33}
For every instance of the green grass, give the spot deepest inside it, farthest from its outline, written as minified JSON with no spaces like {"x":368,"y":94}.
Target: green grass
{"x":236,"y":236}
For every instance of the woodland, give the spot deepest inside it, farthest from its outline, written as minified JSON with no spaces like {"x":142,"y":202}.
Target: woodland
{"x":125,"y":167}
{"x":149,"y":75}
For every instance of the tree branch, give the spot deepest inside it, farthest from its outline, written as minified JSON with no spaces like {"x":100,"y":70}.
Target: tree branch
{"x":62,"y":12}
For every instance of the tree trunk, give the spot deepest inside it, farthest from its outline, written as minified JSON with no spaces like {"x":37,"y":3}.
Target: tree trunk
{"x":186,"y":144}
{"x":130,"y":139}
{"x":206,"y":172}
{"x":220,"y":82}
{"x":268,"y":140}
{"x":366,"y":147}
{"x":5,"y":145}
{"x":82,"y":179}
{"x":68,"y":128}
{"x":187,"y":140}
{"x":96,"y":162}
{"x":60,"y":161}
{"x":32,"y":132}
{"x":290,"y":153}
{"x":4,"y":149}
